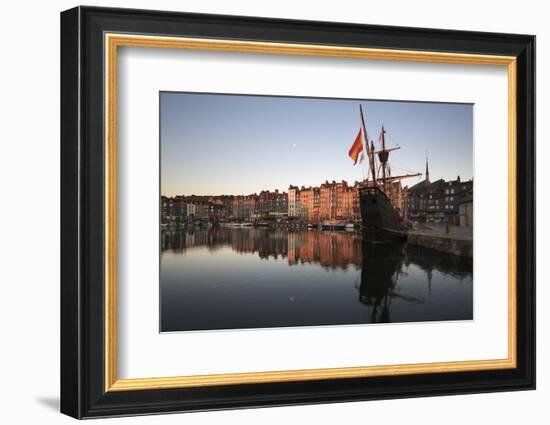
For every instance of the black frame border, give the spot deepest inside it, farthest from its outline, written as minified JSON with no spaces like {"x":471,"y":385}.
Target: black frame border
{"x":82,"y":205}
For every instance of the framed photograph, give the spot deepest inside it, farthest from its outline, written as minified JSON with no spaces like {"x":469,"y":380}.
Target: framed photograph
{"x":261,"y":212}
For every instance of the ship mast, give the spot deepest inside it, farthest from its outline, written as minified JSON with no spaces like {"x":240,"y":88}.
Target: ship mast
{"x":384,"y":158}
{"x":367,"y":148}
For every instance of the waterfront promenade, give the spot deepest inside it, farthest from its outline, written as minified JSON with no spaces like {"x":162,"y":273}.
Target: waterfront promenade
{"x":457,"y":240}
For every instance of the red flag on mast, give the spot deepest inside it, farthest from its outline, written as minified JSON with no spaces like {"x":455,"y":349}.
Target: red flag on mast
{"x":356,"y":148}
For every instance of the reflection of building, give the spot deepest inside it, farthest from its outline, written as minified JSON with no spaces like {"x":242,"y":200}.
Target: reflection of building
{"x":330,"y":249}
{"x":436,"y":202}
{"x":379,"y":281}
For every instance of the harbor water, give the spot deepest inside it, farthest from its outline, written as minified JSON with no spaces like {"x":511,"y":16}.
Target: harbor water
{"x":242,"y":278}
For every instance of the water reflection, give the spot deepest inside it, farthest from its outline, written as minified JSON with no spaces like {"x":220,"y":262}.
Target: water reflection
{"x":225,"y":278}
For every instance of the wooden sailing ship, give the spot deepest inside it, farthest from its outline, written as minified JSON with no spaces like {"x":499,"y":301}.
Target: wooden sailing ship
{"x":380,"y":217}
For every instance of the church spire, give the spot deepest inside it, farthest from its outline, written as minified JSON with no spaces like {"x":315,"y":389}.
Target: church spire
{"x":427,"y":170}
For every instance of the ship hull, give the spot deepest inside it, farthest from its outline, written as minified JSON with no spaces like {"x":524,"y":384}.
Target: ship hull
{"x":379,"y":218}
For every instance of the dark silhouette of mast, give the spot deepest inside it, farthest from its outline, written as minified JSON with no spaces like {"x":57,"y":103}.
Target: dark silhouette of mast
{"x":385,"y":155}
{"x":369,"y":150}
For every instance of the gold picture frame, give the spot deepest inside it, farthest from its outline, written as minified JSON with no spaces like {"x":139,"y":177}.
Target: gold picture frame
{"x":114,"y":41}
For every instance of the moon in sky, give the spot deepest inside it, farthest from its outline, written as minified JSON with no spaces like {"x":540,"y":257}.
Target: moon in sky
{"x":293,"y":145}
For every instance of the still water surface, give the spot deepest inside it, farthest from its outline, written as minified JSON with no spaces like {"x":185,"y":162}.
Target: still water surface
{"x":235,"y":278}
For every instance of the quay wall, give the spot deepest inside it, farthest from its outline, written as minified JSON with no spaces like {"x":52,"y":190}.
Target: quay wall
{"x":448,"y":244}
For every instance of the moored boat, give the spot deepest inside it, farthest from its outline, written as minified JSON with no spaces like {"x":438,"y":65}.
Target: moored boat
{"x":333,"y":225}
{"x":380,"y":218}
{"x":381,"y":222}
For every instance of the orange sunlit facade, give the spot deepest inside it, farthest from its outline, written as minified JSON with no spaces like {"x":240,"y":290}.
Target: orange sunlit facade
{"x":331,"y":201}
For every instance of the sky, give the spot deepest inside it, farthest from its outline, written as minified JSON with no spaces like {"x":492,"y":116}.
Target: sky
{"x":214,"y":144}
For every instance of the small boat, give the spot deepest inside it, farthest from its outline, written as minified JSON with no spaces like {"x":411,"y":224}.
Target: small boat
{"x":231,"y":224}
{"x":333,"y":225}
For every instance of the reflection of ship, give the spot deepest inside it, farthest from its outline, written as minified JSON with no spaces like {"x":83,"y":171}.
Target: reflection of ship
{"x":370,"y":283}
{"x":331,"y":250}
{"x":382,"y":265}
{"x":378,"y":278}
{"x":450,"y":265}
{"x":381,"y":222}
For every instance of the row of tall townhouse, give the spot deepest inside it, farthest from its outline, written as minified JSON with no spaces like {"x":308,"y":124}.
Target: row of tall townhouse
{"x":329,"y":201}
{"x":272,"y":203}
{"x":265,"y":205}
{"x":244,"y":207}
{"x":224,"y":207}
{"x":179,"y":209}
{"x":440,"y":201}
{"x":334,"y":200}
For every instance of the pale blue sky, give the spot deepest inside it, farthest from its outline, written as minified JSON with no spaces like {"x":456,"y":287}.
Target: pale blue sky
{"x":215,"y":144}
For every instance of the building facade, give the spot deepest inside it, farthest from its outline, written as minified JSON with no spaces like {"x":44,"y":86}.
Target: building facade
{"x":272,"y":204}
{"x":437,"y":202}
{"x":330,"y":201}
{"x":244,"y":207}
{"x":466,"y":210}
